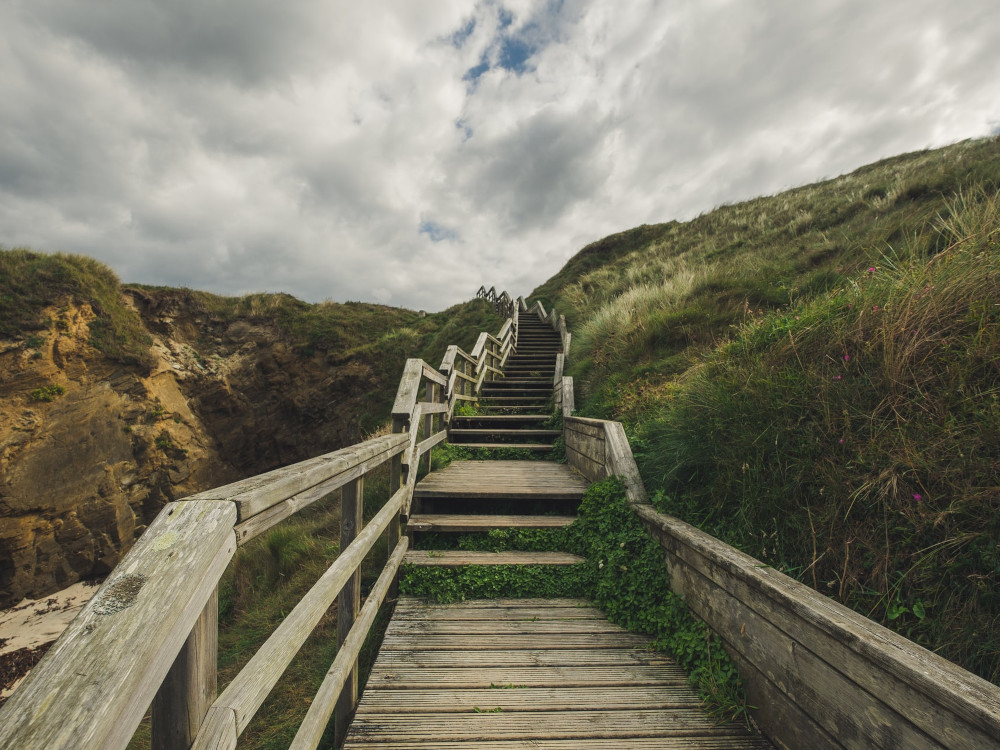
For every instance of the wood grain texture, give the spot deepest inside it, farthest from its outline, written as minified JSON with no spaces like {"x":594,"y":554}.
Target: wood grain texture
{"x":472,"y":524}
{"x":259,"y":493}
{"x":510,"y":479}
{"x":190,"y":686}
{"x":93,"y":686}
{"x":460,"y":558}
{"x":949,"y":704}
{"x":349,"y":601}
{"x":251,"y":686}
{"x":507,"y":684}
{"x":345,"y":664}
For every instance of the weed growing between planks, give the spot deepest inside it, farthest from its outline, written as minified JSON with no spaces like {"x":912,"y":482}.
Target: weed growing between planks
{"x":624,"y":574}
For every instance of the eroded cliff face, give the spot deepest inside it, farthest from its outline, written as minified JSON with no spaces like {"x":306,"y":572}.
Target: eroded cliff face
{"x":82,"y":474}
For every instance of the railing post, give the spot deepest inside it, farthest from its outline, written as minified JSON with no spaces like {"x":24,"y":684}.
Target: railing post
{"x":190,"y":687}
{"x":429,"y":419}
{"x":392,"y":532}
{"x":349,"y":601}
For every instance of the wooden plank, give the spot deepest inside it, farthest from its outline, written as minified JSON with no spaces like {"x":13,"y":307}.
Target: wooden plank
{"x":409,"y":388}
{"x":950,"y":704}
{"x":518,"y":642}
{"x":261,"y":522}
{"x":310,"y":732}
{"x":113,"y":657}
{"x":592,"y":448}
{"x":256,"y":494}
{"x":511,"y":612}
{"x":425,"y":445}
{"x":584,"y":464}
{"x":619,"y":460}
{"x":403,"y":677}
{"x":610,"y":725}
{"x":526,"y":626}
{"x":190,"y":686}
{"x":568,"y":398}
{"x":856,"y":718}
{"x":448,"y":362}
{"x":684,"y":742}
{"x":458,"y":558}
{"x":492,"y":604}
{"x":585,"y":427}
{"x":433,"y":408}
{"x":472,"y":524}
{"x":251,"y":686}
{"x":432,"y":375}
{"x":603,"y":657}
{"x":518,"y":698}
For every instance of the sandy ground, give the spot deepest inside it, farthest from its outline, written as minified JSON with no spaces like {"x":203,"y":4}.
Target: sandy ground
{"x":27,"y":626}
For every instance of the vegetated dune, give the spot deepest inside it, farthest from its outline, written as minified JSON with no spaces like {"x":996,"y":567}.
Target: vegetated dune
{"x":814,"y":377}
{"x":117,"y":399}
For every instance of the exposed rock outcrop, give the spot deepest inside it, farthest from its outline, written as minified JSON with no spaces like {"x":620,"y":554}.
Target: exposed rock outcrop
{"x":91,"y":449}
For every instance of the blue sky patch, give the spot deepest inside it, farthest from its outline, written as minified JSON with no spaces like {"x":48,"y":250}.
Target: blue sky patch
{"x":437,"y":232}
{"x":459,"y":37}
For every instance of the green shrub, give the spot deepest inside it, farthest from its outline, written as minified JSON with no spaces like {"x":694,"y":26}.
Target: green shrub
{"x":47,"y":393}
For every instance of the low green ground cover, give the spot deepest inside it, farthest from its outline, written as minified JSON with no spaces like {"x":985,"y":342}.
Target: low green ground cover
{"x":624,"y":574}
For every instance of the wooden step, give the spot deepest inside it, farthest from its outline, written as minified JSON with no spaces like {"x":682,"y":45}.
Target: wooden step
{"x":527,"y":432}
{"x":521,"y":446}
{"x":526,"y":480}
{"x":515,"y":398}
{"x":502,"y":418}
{"x":473,"y":524}
{"x":461,"y":558}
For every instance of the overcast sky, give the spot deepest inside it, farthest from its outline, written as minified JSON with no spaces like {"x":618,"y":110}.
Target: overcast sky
{"x":406,"y":152}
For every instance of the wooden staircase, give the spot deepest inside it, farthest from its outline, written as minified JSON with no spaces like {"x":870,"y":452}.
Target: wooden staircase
{"x":514,"y":409}
{"x":477,"y":496}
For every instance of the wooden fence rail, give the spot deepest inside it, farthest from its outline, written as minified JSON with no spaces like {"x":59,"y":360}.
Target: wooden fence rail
{"x":149,"y":636}
{"x":820,"y":675}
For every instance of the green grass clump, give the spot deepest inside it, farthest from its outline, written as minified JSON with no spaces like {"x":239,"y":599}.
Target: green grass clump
{"x":851,"y":440}
{"x":47,"y":393}
{"x":624,"y":573}
{"x":814,"y":377}
{"x":30,"y":282}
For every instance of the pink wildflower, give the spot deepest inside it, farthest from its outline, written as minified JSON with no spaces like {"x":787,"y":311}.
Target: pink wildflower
{"x":875,"y":309}
{"x":871,"y":269}
{"x":917,"y":496}
{"x":837,"y":377}
{"x":841,"y":441}
{"x":847,"y":357}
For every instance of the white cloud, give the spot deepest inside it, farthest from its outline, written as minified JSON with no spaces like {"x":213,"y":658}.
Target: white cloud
{"x":407,"y":152}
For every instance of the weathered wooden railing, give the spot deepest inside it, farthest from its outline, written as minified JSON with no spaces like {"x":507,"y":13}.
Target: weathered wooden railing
{"x":149,"y":636}
{"x":819,"y":674}
{"x":465,"y":373}
{"x":502,"y":303}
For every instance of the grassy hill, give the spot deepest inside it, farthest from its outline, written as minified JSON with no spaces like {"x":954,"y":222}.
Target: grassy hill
{"x":814,"y":377}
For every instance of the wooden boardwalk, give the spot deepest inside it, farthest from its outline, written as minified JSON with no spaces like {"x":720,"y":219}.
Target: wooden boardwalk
{"x":527,"y":673}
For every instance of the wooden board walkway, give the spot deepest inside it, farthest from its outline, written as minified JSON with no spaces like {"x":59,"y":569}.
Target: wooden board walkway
{"x":527,"y":673}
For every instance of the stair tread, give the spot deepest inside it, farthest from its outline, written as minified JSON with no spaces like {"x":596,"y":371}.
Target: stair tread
{"x":525,"y":446}
{"x":501,"y":431}
{"x":473,"y":523}
{"x":460,"y":558}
